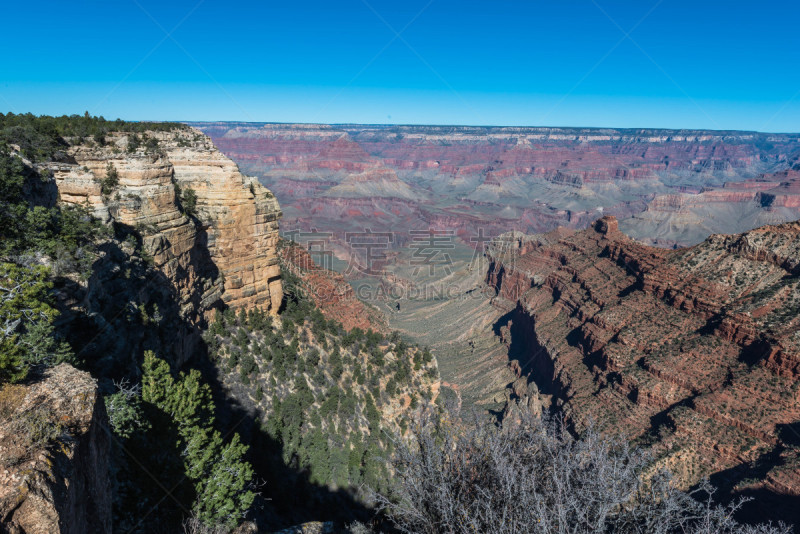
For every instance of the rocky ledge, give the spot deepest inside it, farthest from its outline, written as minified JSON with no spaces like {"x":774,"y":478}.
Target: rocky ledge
{"x":54,"y":454}
{"x":692,"y":352}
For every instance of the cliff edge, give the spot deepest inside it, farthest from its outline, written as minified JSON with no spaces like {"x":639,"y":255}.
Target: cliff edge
{"x":211,"y":230}
{"x":693,"y":352}
{"x":54,"y":456}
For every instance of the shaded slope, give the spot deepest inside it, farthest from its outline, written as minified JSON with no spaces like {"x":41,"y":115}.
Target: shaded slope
{"x":693,"y":351}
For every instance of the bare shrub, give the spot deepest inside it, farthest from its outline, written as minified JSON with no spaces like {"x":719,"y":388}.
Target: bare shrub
{"x":535,"y":476}
{"x":193,"y":525}
{"x":358,"y":528}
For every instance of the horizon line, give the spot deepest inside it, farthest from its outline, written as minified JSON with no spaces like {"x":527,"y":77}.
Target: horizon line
{"x":488,"y":126}
{"x":427,"y":125}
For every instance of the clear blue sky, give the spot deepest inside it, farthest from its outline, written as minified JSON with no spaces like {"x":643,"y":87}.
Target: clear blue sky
{"x":674,"y":63}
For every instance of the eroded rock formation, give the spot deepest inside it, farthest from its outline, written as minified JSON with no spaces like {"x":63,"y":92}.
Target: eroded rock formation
{"x":240,"y":218}
{"x":330,"y":291}
{"x":695,"y":352}
{"x":350,"y":177}
{"x":54,"y":456}
{"x":224,"y":249}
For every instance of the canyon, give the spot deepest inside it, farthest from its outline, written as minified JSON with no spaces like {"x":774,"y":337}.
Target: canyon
{"x":441,"y":193}
{"x":693,"y":353}
{"x":644,"y":283}
{"x":594,"y":272}
{"x":667,"y":187}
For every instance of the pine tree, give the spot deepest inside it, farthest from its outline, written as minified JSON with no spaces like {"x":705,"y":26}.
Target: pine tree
{"x":223,"y":494}
{"x":157,"y":380}
{"x":219,"y":473}
{"x":23,"y":295}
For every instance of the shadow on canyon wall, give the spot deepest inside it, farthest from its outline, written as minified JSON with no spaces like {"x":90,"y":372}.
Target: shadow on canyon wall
{"x":288,"y":497}
{"x":125,"y":307}
{"x":516,"y":331}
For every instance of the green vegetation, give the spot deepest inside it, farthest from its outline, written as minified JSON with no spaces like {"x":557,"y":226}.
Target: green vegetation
{"x":187,"y":198}
{"x":29,"y":225}
{"x":167,"y":424}
{"x":111,"y":181}
{"x":37,"y":241}
{"x":220,"y":476}
{"x":43,"y":138}
{"x":166,"y":438}
{"x":22,"y":301}
{"x":325,"y":394}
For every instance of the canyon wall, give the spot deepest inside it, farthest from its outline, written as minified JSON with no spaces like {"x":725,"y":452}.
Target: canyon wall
{"x":687,"y":217}
{"x":329,"y":291}
{"x":185,"y":234}
{"x":693,"y":352}
{"x":192,"y":235}
{"x":224,"y":250}
{"x":340,"y":178}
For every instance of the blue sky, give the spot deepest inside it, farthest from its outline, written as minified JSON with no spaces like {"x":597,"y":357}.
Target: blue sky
{"x":645,"y":63}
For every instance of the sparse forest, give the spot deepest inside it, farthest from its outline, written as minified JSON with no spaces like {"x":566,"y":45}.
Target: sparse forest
{"x":328,"y":401}
{"x":46,"y":138}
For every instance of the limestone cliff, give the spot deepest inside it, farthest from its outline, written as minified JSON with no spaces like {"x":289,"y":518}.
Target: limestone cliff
{"x":240,"y":217}
{"x":222,"y":250}
{"x":54,"y":456}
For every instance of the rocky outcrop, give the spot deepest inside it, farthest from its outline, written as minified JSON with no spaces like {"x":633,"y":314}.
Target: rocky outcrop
{"x":330,"y":292}
{"x":223,"y":251}
{"x":240,"y":219}
{"x":54,"y":456}
{"x":145,"y":200}
{"x":785,"y":194}
{"x":694,"y":352}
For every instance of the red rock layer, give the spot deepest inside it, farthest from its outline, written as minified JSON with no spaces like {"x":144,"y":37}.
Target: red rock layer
{"x":330,"y":291}
{"x":499,"y":179}
{"x":695,"y":351}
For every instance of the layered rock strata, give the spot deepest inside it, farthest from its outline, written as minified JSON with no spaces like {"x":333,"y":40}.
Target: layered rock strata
{"x":224,"y":249}
{"x":695,"y":352}
{"x":344,"y":178}
{"x":330,"y":291}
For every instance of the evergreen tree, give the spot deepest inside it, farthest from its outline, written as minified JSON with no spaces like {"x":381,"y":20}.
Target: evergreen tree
{"x":223,"y":494}
{"x":189,"y":202}
{"x":111,"y":181}
{"x":26,"y":332}
{"x":335,"y":361}
{"x":219,"y":473}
